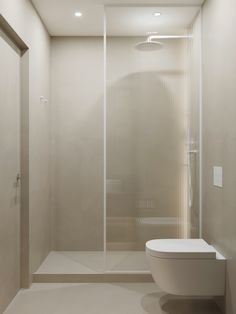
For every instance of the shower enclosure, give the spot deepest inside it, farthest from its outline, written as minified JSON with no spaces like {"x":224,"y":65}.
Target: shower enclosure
{"x":126,"y":139}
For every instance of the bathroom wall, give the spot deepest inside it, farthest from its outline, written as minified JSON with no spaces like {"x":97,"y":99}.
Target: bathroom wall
{"x":77,"y":132}
{"x":77,"y":151}
{"x":146,"y":141}
{"x":219,"y":134}
{"x":21,"y":15}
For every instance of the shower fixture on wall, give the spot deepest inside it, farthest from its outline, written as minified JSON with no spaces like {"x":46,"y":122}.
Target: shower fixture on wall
{"x":151,"y":44}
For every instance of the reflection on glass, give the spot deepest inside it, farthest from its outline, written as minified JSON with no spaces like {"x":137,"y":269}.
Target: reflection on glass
{"x":147,"y":135}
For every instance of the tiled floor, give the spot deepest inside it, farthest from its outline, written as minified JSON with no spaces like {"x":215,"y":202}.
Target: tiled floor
{"x":93,"y":262}
{"x":128,"y":298}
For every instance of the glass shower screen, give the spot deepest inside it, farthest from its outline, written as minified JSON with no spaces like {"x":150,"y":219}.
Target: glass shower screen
{"x":146,"y":131}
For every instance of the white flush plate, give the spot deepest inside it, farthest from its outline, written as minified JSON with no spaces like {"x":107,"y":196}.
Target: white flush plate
{"x":217,"y":176}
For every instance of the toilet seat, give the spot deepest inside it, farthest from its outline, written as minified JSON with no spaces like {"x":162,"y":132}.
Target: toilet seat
{"x":180,"y":249}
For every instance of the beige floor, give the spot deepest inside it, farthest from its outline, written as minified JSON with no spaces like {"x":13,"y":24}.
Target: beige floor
{"x":125,"y":298}
{"x":93,"y":262}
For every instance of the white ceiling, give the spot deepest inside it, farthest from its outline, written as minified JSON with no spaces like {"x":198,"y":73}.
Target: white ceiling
{"x":137,"y":21}
{"x":58,"y":16}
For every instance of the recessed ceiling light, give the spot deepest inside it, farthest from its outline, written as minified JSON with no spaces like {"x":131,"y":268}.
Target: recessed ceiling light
{"x":78,"y":14}
{"x":157,"y":13}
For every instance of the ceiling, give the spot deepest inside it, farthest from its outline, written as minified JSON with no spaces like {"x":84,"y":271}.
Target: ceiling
{"x":138,"y":21}
{"x":134,"y":18}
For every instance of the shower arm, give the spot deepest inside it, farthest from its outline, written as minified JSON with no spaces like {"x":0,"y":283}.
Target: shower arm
{"x":151,"y":37}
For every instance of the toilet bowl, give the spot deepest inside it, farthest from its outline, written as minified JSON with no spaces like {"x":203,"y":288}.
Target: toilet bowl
{"x":189,"y":267}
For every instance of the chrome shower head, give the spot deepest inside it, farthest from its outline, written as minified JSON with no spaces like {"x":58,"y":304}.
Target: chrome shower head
{"x":149,"y":45}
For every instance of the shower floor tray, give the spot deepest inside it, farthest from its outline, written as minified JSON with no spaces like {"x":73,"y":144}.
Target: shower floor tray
{"x":93,"y":262}
{"x":115,"y":266}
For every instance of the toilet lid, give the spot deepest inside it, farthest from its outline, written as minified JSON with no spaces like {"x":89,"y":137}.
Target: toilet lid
{"x":181,"y":248}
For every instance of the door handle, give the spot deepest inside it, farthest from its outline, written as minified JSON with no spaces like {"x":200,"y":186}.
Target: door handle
{"x":18,"y":179}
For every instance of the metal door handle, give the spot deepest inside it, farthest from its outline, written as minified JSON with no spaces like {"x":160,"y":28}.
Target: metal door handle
{"x":18,"y":179}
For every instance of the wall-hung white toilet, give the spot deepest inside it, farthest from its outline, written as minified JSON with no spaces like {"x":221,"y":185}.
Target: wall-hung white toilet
{"x":189,"y":267}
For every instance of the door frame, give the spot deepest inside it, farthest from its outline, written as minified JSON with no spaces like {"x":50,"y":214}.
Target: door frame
{"x":16,"y":42}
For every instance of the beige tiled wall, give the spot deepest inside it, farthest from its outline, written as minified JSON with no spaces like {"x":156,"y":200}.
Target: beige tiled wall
{"x":144,"y":150}
{"x":219,"y":134}
{"x":146,"y":136}
{"x":77,"y":152}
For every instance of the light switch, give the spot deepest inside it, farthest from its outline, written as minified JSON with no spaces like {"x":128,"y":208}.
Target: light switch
{"x":217,"y":176}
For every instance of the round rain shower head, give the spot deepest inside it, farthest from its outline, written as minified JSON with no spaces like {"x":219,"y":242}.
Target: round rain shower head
{"x":149,"y":45}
